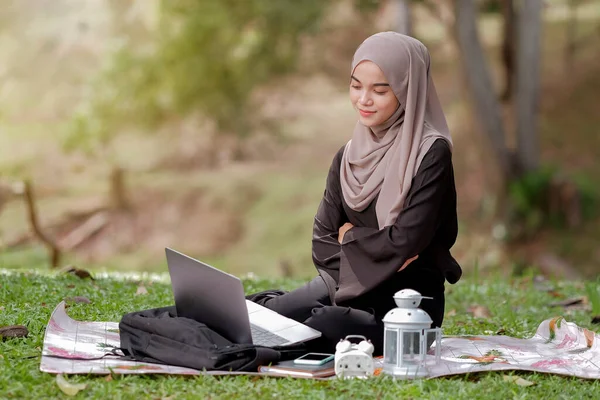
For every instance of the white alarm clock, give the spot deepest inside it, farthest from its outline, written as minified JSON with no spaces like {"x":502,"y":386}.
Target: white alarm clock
{"x":354,"y":360}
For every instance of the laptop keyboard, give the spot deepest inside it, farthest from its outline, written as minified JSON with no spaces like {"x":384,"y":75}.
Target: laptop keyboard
{"x":263,"y":337}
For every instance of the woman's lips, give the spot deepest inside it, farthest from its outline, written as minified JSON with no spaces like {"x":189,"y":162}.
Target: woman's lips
{"x":366,"y":113}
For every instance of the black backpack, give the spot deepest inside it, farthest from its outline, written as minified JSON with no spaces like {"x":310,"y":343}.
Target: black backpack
{"x":159,"y":336}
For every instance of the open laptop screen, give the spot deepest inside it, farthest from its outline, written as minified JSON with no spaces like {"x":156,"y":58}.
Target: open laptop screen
{"x":210,"y":296}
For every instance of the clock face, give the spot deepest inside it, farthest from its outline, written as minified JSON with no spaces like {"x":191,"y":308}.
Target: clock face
{"x":354,"y":363}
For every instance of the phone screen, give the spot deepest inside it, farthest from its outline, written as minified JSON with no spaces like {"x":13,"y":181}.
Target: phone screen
{"x":315,"y":357}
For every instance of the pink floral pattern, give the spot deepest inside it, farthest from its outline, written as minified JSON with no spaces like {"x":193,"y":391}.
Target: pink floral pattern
{"x":59,"y":352}
{"x":567,"y":341}
{"x":53,"y":325}
{"x":549,"y":364}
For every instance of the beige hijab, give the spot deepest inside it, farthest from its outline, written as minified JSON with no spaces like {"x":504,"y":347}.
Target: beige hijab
{"x":384,"y":159}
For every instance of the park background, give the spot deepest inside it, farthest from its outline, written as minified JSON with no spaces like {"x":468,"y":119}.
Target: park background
{"x":131,"y":126}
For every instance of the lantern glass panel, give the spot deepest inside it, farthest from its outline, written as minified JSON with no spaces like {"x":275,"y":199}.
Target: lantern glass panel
{"x":391,"y":346}
{"x":411,"y":346}
{"x":432,"y":345}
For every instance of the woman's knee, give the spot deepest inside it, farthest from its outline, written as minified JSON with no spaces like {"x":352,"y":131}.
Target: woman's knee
{"x":299,"y":303}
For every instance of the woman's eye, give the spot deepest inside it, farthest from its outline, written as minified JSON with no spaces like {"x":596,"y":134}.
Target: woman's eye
{"x":355,"y":87}
{"x":381,"y":93}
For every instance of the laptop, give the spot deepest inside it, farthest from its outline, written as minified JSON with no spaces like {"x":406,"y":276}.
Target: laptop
{"x":217,"y":299}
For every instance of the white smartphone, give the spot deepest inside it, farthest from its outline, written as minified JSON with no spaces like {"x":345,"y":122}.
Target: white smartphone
{"x":314,"y":359}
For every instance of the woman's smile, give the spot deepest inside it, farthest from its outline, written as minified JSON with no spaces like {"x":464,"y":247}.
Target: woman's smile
{"x":366,"y":113}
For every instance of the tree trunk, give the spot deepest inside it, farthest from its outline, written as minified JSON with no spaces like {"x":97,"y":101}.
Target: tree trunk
{"x":528,"y":83}
{"x":508,"y":48}
{"x":118,"y":190}
{"x":480,"y":82}
{"x":36,"y":228}
{"x":403,"y":17}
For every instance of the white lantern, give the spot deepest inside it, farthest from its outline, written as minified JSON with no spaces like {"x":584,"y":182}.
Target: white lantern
{"x":408,"y":336}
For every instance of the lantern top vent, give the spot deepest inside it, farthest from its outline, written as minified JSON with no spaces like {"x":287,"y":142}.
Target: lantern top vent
{"x":408,"y":298}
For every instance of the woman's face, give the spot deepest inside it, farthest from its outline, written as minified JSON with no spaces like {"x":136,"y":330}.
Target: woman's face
{"x":371,"y":94}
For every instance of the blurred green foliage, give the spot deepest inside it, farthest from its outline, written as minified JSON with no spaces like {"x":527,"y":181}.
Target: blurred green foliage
{"x":545,"y":197}
{"x":527,"y":198}
{"x":366,"y":6}
{"x":203,"y":57}
{"x":491,"y":6}
{"x":592,"y":290}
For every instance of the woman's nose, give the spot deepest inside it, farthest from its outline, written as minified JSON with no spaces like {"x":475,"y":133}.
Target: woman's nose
{"x":365,"y":99}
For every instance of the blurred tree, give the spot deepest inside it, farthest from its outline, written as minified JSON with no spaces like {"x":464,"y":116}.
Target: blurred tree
{"x":530,"y":195}
{"x":479,"y":80}
{"x":203,"y":57}
{"x":524,"y":159}
{"x":508,"y":47}
{"x":528,"y":54}
{"x":403,"y":17}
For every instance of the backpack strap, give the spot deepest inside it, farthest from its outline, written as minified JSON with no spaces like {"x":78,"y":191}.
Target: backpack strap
{"x":113,"y":352}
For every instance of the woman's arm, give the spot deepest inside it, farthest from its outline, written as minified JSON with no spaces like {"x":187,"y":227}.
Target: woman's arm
{"x":369,"y":256}
{"x":328,"y":220}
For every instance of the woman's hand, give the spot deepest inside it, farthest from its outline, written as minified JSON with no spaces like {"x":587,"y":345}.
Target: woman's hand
{"x":342,"y":231}
{"x":407,"y":262}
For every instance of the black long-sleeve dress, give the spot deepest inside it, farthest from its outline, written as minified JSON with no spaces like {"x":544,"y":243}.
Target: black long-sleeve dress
{"x":359,"y":277}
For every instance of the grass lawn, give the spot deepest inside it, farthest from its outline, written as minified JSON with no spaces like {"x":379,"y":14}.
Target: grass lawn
{"x":516,"y":306}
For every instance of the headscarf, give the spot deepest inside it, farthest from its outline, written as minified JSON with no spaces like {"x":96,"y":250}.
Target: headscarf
{"x":384,"y":159}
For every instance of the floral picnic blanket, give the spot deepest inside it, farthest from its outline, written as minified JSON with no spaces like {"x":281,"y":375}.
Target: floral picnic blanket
{"x":558,"y":347}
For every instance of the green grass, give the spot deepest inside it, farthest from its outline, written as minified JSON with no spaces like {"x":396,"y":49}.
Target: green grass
{"x":517,"y":306}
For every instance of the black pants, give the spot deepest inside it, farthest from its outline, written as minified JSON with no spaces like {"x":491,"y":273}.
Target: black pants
{"x":311,"y":305}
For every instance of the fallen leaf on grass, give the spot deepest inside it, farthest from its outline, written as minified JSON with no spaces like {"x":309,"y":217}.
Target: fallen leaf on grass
{"x":81,"y":273}
{"x":141,"y":290}
{"x":70,"y":389}
{"x":108,"y":378}
{"x":518,"y":380}
{"x":451,"y":313}
{"x":479,"y":311}
{"x":578,"y":303}
{"x":13,"y":331}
